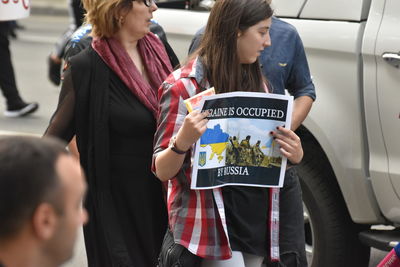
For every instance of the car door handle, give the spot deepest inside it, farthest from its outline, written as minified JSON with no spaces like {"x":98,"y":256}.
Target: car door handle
{"x":392,"y":58}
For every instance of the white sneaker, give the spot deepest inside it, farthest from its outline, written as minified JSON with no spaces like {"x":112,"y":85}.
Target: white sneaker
{"x":25,"y":109}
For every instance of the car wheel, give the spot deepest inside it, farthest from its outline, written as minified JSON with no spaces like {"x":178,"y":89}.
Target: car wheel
{"x":331,"y":236}
{"x":309,"y":236}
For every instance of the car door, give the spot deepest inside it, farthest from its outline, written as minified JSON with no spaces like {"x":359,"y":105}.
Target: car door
{"x":388,"y":86}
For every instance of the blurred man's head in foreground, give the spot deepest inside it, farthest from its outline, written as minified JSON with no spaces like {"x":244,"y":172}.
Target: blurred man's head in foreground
{"x":41,"y":193}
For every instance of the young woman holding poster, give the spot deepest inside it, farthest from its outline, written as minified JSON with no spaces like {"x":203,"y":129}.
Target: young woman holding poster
{"x":218,"y":225}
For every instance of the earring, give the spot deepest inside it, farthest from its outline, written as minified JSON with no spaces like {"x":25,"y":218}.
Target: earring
{"x":121,"y":20}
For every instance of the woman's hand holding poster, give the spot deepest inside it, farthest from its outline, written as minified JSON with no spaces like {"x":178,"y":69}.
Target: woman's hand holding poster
{"x":237,"y":148}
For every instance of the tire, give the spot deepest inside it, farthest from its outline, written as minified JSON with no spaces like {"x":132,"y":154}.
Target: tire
{"x":329,"y":230}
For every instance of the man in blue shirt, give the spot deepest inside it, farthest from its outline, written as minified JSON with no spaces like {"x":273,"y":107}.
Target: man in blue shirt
{"x":285,"y":66}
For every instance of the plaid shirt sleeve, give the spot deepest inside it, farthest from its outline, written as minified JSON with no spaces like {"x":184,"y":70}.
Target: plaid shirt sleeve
{"x":172,"y":110}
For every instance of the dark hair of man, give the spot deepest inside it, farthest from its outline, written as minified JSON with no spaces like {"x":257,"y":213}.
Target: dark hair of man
{"x":28,"y":177}
{"x":218,"y":48}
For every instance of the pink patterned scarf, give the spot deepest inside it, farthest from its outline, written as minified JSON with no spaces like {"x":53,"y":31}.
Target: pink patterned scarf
{"x":155,"y":61}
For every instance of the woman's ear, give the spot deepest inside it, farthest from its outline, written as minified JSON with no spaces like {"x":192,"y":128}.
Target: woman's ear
{"x":119,"y":17}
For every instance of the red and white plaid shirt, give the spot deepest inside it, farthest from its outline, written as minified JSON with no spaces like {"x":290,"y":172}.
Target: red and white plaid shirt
{"x":196,"y":217}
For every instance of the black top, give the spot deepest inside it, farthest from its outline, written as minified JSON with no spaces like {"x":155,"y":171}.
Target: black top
{"x":246,"y":210}
{"x":127,"y":213}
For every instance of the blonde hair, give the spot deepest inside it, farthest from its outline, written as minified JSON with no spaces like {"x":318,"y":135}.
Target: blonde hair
{"x":105,"y":16}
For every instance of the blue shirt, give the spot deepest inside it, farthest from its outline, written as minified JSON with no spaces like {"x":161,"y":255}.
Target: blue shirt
{"x":284,"y":63}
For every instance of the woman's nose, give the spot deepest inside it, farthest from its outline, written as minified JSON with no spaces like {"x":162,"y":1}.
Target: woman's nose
{"x":153,"y":6}
{"x":267,"y":41}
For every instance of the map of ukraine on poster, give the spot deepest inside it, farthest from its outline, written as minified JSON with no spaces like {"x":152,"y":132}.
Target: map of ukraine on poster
{"x":217,"y":140}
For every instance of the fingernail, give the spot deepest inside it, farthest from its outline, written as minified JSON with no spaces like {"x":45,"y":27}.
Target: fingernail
{"x":277,"y":127}
{"x":271,"y":132}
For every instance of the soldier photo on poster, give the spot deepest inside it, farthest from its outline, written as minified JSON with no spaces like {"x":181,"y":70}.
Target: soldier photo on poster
{"x":237,"y":148}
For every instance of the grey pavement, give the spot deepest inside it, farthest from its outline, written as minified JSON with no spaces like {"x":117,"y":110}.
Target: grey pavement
{"x":30,"y":52}
{"x":49,"y":7}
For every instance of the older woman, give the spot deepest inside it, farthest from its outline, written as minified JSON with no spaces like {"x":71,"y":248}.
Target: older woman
{"x":108,"y":100}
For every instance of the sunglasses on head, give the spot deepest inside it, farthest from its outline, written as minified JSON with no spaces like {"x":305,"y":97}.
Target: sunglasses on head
{"x":148,"y":2}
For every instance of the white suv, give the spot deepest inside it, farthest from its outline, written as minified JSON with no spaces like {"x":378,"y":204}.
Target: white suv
{"x":350,"y":175}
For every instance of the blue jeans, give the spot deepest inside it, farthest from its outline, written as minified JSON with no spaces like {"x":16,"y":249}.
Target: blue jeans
{"x":291,"y":228}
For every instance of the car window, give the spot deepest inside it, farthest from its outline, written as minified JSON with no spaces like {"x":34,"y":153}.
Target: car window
{"x":288,"y":8}
{"x":350,"y":10}
{"x":199,"y":5}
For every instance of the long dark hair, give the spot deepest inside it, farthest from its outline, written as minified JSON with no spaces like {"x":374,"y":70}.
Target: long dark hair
{"x":218,"y":48}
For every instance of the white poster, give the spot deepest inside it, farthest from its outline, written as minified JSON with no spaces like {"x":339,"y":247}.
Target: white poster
{"x":14,"y":9}
{"x":237,"y":147}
